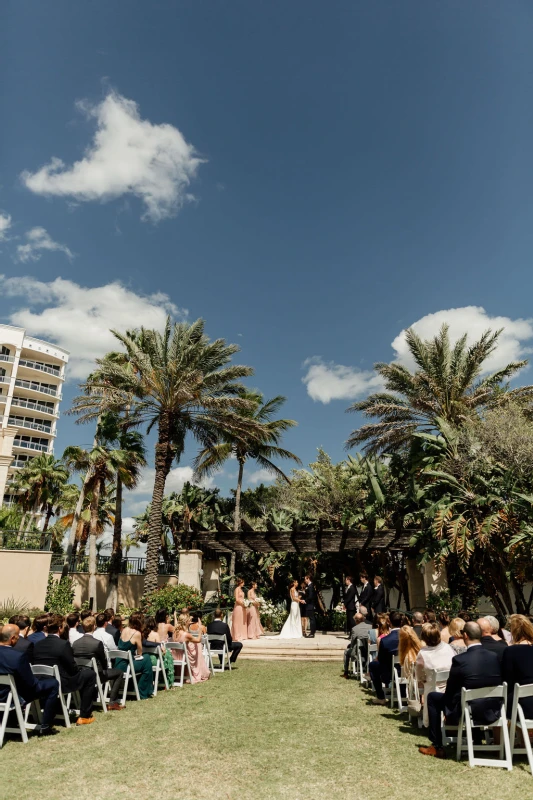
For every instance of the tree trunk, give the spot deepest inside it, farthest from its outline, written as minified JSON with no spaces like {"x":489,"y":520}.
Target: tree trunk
{"x":75,"y":520}
{"x":236,"y":522}
{"x":93,"y":532}
{"x":163,"y":462}
{"x":116,"y":553}
{"x":49,"y":513}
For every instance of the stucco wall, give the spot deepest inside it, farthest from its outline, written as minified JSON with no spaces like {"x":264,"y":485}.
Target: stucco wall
{"x":130,"y":588}
{"x":24,"y":576}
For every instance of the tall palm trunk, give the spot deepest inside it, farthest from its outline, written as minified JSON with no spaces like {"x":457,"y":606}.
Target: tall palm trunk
{"x":163,"y":462}
{"x":116,"y":554}
{"x":75,"y":521}
{"x":236,"y":519}
{"x":93,"y":532}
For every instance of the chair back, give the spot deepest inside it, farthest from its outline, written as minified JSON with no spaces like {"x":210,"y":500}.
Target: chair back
{"x":520,"y":692}
{"x":484,"y":693}
{"x":436,"y":677}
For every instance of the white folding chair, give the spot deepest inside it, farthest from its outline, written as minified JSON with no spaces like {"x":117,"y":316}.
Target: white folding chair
{"x":519,"y":720}
{"x":396,"y":683}
{"x":206,"y":650}
{"x":180,"y":664}
{"x":467,"y":723}
{"x":12,"y":705}
{"x":371,"y":654}
{"x":90,"y":663}
{"x":129,"y":674}
{"x":159,"y":667}
{"x":65,"y":698}
{"x":223,"y":651}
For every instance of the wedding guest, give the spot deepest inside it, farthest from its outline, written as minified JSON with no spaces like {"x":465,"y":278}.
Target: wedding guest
{"x":196,"y":622}
{"x":444,"y":622}
{"x":239,"y":630}
{"x":73,"y":620}
{"x":303,"y":611}
{"x":418,"y":621}
{"x":164,"y":627}
{"x":253,"y":622}
{"x":384,"y":626}
{"x":23,"y":623}
{"x":436,"y":655}
{"x":457,"y":643}
{"x":151,"y":638}
{"x":365,"y":593}
{"x":381,"y":668}
{"x":377,"y":600}
{"x":87,"y":646}
{"x":111,"y":628}
{"x":54,"y":650}
{"x":359,"y":633}
{"x":517,"y":662}
{"x":102,"y":635}
{"x":83,"y":615}
{"x":131,"y":640}
{"x":219,"y":628}
{"x":489,"y":636}
{"x":38,"y":629}
{"x":408,"y":649}
{"x":193,"y":641}
{"x":350,"y":598}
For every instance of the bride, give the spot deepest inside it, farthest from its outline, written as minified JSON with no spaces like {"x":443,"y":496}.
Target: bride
{"x":293,"y":624}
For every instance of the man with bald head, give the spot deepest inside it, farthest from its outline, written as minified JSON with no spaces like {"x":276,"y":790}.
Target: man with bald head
{"x":489,"y":636}
{"x":15,"y":662}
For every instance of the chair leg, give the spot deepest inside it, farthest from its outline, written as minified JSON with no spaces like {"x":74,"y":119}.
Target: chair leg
{"x":469,"y":739}
{"x":525,"y":736}
{"x":460,"y":737}
{"x":506,"y":742}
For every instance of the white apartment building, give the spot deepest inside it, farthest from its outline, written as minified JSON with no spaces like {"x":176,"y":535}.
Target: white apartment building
{"x":32,"y":373}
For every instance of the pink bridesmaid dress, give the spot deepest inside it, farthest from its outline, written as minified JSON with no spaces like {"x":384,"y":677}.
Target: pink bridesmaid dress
{"x":199,"y":669}
{"x":255,"y":629}
{"x":239,"y":627}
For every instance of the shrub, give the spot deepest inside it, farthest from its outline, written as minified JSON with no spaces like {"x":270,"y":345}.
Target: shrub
{"x":59,"y":595}
{"x":172,"y":597}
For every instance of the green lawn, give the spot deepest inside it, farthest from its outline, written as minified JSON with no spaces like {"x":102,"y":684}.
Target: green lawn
{"x":268,"y":730}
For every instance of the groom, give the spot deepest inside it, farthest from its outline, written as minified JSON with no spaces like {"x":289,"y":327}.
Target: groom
{"x":310,"y":600}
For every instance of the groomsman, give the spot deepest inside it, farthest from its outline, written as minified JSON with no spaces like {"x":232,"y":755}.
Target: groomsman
{"x":365,"y":592}
{"x":350,"y":596}
{"x":310,"y":600}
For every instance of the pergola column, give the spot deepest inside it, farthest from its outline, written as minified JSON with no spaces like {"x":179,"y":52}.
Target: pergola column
{"x":190,"y":568}
{"x":435,"y":578}
{"x":211,"y":578}
{"x":417,"y":589}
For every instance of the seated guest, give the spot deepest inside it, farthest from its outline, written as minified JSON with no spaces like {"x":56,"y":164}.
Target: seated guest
{"x":517,"y":662}
{"x":111,"y":628}
{"x":83,"y":615}
{"x":23,"y":624}
{"x":381,"y":668}
{"x":164,"y":627}
{"x":384,"y":626}
{"x":457,"y":643}
{"x":87,"y":646}
{"x":196,"y":622}
{"x":15,"y":662}
{"x":436,"y":655}
{"x":430,"y":616}
{"x":444,"y":622}
{"x":131,"y":640}
{"x":219,"y":628}
{"x":56,"y":651}
{"x":193,"y":641}
{"x":408,"y":648}
{"x":359,"y":633}
{"x":465,"y":616}
{"x":489,"y":636}
{"x":73,"y":620}
{"x":38,"y":629}
{"x":151,"y":638}
{"x":101,"y":634}
{"x":418,"y":621}
{"x":476,"y":669}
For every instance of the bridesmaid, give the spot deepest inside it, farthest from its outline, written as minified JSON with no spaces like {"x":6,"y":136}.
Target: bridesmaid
{"x":252,"y":618}
{"x":193,"y":641}
{"x":239,"y":631}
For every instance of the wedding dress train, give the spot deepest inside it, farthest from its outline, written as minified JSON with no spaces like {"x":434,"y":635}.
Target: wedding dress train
{"x":292,"y":628}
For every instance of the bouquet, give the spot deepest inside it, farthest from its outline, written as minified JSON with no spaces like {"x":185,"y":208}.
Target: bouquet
{"x":247,"y":603}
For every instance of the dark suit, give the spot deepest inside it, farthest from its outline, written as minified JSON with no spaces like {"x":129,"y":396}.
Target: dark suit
{"x":497,"y":646}
{"x":378,"y":600}
{"x":52,"y":651}
{"x":36,"y":636}
{"x":475,"y":669}
{"x":219,"y":628}
{"x":365,"y":597}
{"x":381,"y":668}
{"x":89,"y":647}
{"x":310,"y":601}
{"x":14,"y":662}
{"x":25,"y":646}
{"x":114,"y":632}
{"x":350,"y":595}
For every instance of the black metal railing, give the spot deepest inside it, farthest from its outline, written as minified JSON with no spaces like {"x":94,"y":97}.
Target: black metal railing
{"x":128,"y":566}
{"x":13,"y":540}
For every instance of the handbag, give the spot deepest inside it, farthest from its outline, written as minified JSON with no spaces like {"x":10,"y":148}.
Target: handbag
{"x":414,"y":706}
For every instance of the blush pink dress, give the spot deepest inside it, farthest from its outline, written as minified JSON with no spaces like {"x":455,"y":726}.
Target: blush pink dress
{"x":199,"y":669}
{"x":253,"y":622}
{"x":239,"y":627}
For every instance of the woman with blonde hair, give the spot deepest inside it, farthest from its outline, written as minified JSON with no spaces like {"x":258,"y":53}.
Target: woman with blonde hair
{"x":408,"y":648}
{"x":435,"y":656}
{"x":517,"y":662}
{"x":193,"y":641}
{"x":456,"y":641}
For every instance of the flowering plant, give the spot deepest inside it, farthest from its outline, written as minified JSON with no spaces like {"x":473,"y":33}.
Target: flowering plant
{"x":339,"y":608}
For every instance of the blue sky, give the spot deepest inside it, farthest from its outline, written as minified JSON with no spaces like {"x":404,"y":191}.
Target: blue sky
{"x":309,"y":177}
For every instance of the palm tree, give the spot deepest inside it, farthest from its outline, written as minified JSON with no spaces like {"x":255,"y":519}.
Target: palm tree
{"x":211,"y":458}
{"x":41,"y":481}
{"x":182,"y":382}
{"x":447,"y":384}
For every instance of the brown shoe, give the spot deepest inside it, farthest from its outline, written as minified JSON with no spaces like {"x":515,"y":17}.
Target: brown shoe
{"x":114,"y":707}
{"x":85,"y":720}
{"x":377,"y":702}
{"x":435,"y":752}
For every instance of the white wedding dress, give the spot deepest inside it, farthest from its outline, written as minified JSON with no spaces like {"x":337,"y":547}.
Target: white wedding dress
{"x":292,"y":628}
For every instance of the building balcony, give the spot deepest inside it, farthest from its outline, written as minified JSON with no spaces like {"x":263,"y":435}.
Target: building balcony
{"x":37,"y":366}
{"x":4,"y":357}
{"x":34,"y":405}
{"x":38,"y":448}
{"x":18,"y":463}
{"x":33,"y":426}
{"x":33,"y":386}
{"x":5,"y":379}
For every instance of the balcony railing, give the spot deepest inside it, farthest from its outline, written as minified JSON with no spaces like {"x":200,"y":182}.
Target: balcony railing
{"x":128,"y":566}
{"x":34,"y":404}
{"x":13,"y":540}
{"x":42,"y":367}
{"x":36,"y":387}
{"x":5,"y":379}
{"x":24,"y":423}
{"x":18,"y":462}
{"x":4,"y":357}
{"x":43,"y":448}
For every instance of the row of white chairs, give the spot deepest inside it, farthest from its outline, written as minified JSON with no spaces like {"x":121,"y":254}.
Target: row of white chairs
{"x":514,"y":738}
{"x":182,"y":669}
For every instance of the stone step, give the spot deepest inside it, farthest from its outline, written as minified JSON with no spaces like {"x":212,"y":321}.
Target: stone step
{"x":311,"y":656}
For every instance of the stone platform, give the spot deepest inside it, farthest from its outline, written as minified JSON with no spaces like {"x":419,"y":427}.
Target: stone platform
{"x":324,"y":647}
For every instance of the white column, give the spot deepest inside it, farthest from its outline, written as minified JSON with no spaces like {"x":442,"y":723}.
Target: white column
{"x":7,"y":436}
{"x":190,"y":568}
{"x":435,"y":578}
{"x":211,"y":578}
{"x":417,"y":589}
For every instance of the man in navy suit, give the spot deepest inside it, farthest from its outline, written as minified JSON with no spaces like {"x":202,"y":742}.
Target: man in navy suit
{"x":365,"y":593}
{"x":350,"y":596}
{"x":377,"y":600}
{"x":15,"y":662}
{"x":23,"y":624}
{"x":476,"y":669}
{"x":381,"y":668}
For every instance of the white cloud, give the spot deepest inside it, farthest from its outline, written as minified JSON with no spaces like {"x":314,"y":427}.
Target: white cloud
{"x":5,"y":224}
{"x":128,"y":155}
{"x":79,"y":318}
{"x":176,"y":479}
{"x":38,"y":239}
{"x":260,"y":476}
{"x":330,"y":381}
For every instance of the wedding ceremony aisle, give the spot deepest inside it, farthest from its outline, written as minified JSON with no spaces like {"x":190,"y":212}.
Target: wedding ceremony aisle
{"x":267,"y":730}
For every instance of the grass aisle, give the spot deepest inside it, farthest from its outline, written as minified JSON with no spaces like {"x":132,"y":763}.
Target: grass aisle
{"x":275,"y":730}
